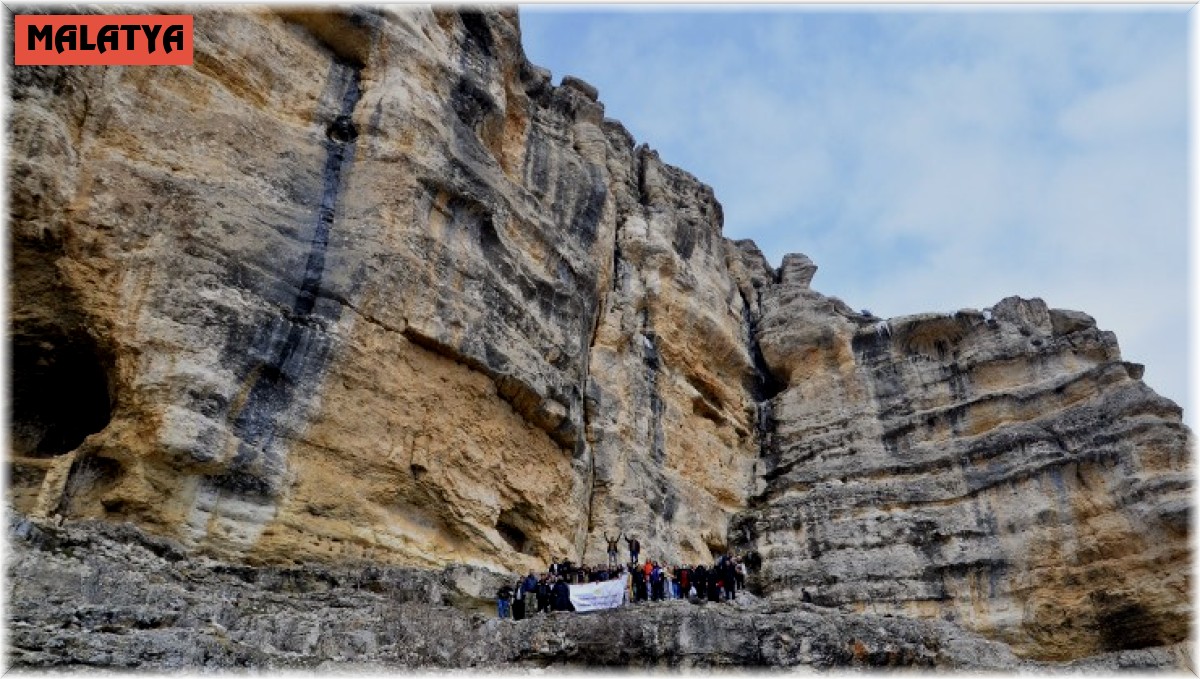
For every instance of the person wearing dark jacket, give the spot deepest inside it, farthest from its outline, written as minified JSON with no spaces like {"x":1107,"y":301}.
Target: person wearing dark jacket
{"x":700,"y":581}
{"x":635,"y":548}
{"x":729,"y":578}
{"x":503,"y":596}
{"x":529,"y":594}
{"x":518,"y":604}
{"x":639,"y":584}
{"x":562,"y":597}
{"x":543,"y":596}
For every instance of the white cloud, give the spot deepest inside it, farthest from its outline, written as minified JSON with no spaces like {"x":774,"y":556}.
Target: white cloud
{"x":1151,"y":103}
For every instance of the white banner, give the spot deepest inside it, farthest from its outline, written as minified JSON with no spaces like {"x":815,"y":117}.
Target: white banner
{"x":596,"y":596}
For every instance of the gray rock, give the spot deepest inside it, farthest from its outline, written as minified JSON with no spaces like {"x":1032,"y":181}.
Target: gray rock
{"x":159,"y":612}
{"x":1066,"y":322}
{"x":584,"y":88}
{"x":797,"y":269}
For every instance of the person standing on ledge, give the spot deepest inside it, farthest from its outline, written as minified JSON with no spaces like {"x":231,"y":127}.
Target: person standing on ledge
{"x":503,"y":595}
{"x":562,"y":596}
{"x":543,"y":595}
{"x":529,"y":590}
{"x":612,"y":548}
{"x":634,"y":548}
{"x":518,"y":604}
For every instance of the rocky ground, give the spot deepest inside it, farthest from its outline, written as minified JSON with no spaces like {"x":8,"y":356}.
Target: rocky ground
{"x":92,"y":594}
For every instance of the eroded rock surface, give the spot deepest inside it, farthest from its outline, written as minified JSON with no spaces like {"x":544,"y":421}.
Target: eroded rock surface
{"x":109,"y":596}
{"x":1002,"y":469}
{"x":365,"y":287}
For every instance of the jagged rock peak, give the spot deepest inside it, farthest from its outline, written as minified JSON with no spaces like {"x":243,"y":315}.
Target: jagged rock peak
{"x":797,"y":269}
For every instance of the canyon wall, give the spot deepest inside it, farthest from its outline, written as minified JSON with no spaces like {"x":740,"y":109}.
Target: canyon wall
{"x":366,"y":287}
{"x":369,"y":285}
{"x":1003,"y":469}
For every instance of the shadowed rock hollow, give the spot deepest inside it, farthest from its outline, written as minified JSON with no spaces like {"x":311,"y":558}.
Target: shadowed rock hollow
{"x":365,"y":287}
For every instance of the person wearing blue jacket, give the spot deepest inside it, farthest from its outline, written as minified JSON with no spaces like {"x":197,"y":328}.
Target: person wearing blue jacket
{"x":529,"y":591}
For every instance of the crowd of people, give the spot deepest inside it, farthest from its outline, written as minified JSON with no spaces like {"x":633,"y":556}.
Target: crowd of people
{"x":648,"y":580}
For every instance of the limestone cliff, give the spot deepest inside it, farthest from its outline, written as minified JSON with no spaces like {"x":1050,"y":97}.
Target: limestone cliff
{"x":364,"y":286}
{"x":1003,"y":469}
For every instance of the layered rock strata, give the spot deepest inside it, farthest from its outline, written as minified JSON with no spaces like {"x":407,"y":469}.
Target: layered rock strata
{"x":1003,"y":469}
{"x":367,"y":285}
{"x":364,"y":286}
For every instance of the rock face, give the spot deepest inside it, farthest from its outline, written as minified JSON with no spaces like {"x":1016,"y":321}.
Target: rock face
{"x":104,"y":595}
{"x":366,"y":287}
{"x":1002,"y":469}
{"x":352,"y":310}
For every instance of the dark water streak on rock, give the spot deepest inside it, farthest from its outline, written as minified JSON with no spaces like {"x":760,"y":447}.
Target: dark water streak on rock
{"x":302,"y":351}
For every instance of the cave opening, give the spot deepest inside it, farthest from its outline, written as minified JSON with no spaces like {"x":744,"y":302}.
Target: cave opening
{"x":59,"y":391}
{"x":1126,"y":626}
{"x":516,"y":538}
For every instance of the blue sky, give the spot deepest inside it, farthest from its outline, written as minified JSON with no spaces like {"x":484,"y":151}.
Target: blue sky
{"x":926,"y":160}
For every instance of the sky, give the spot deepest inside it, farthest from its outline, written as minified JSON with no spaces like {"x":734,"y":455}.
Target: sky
{"x":926,"y":160}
